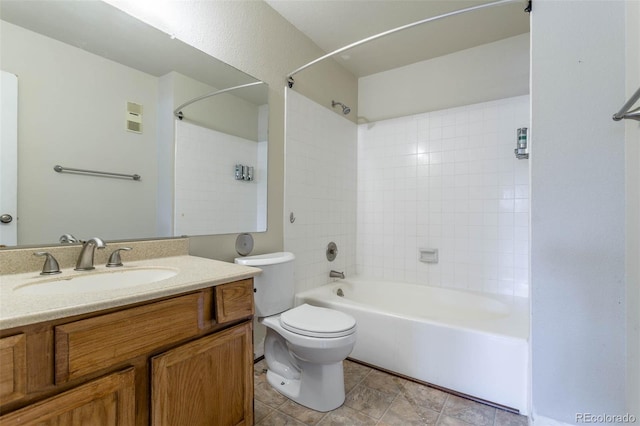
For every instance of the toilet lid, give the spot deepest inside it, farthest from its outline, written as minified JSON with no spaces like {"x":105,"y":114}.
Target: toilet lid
{"x":314,"y":321}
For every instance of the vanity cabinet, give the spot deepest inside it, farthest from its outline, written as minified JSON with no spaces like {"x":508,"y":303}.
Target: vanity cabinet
{"x":13,"y":367}
{"x":204,"y":380}
{"x":186,"y":359}
{"x":108,"y":401}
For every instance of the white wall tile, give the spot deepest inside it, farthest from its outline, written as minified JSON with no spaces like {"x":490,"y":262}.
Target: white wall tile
{"x":320,"y":188}
{"x":449,"y":180}
{"x":446,"y":179}
{"x":232,"y":202}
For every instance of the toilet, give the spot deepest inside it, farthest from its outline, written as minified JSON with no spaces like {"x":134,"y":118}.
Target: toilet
{"x":305,"y":345}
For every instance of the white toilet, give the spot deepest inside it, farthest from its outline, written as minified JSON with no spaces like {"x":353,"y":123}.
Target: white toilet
{"x":305,"y":346}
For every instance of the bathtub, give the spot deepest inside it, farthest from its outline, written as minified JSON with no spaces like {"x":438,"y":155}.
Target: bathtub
{"x":470,"y":343}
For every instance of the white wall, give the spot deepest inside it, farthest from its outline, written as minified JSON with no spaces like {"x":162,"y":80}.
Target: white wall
{"x":320,"y":190}
{"x":262,"y":166}
{"x":492,"y":71}
{"x":577,"y":209}
{"x":9,"y":157}
{"x":632,"y":155}
{"x":446,"y":180}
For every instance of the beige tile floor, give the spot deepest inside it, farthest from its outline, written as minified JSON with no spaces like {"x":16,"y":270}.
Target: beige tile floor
{"x":377,"y":398}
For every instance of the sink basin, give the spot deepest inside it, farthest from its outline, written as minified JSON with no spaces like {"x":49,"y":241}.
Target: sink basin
{"x":100,"y":281}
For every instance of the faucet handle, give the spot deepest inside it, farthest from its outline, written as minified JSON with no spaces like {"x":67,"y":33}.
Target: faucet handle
{"x":114,"y":259}
{"x":51,"y":266}
{"x":68,"y":239}
{"x":96,"y":241}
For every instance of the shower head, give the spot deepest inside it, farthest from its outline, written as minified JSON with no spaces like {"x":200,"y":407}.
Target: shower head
{"x":345,"y":109}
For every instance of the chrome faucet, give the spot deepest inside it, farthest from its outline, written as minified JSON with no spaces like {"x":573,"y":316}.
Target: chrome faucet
{"x":85,"y":260}
{"x":68,"y":239}
{"x":336,"y":274}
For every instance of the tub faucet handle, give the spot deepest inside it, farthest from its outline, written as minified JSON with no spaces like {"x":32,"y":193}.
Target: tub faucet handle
{"x":336,"y":274}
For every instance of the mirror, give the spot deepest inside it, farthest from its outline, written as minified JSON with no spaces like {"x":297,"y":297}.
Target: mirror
{"x":97,"y":90}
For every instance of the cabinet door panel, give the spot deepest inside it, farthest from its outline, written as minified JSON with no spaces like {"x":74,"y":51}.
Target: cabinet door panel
{"x":234,"y":301}
{"x":206,"y":382}
{"x":91,"y":344}
{"x":13,"y":368}
{"x":107,"y":401}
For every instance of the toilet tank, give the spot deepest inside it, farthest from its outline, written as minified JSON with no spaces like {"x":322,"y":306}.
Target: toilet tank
{"x":274,"y":287}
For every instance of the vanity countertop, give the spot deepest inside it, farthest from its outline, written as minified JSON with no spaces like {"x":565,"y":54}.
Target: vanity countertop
{"x":18,"y":309}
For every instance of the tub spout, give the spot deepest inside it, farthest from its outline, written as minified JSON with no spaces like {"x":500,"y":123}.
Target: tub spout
{"x":336,"y":274}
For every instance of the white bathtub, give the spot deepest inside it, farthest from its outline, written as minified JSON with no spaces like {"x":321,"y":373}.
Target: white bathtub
{"x":471,"y":343}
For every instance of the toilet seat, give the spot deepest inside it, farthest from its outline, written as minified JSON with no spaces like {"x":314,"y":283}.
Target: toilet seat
{"x":314,"y":321}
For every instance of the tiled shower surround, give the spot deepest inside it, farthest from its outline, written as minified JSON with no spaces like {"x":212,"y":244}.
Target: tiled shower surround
{"x":320,"y":190}
{"x":202,"y":166}
{"x":446,"y":180}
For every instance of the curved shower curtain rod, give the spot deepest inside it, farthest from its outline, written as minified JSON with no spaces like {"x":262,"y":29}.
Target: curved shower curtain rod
{"x":178,"y":113}
{"x":290,"y":80}
{"x":626,"y":111}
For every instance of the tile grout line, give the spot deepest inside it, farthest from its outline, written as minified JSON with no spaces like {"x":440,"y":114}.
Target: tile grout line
{"x":324,"y":417}
{"x":441,"y":411}
{"x":388,"y":408}
{"x":495,"y":416}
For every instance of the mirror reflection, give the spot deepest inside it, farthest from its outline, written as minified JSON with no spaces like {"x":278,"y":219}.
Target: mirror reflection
{"x":97,"y":90}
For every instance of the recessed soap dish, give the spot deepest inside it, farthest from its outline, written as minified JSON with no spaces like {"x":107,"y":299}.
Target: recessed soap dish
{"x":428,"y":255}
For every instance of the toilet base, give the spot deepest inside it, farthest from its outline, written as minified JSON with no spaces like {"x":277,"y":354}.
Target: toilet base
{"x":321,"y":386}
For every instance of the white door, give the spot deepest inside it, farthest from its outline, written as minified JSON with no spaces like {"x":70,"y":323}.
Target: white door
{"x":8,"y":159}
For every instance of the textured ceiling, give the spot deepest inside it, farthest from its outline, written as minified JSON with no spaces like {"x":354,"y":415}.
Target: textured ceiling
{"x":332,"y":24}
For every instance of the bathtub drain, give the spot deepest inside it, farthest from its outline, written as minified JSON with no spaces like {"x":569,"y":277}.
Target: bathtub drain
{"x":340,"y":292}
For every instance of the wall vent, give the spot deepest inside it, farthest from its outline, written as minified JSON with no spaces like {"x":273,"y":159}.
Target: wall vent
{"x":134,"y":117}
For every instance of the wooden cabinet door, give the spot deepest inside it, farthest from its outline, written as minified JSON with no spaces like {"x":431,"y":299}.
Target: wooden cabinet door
{"x":234,"y":301}
{"x":205,"y":382}
{"x":107,"y":401}
{"x":13,"y":368}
